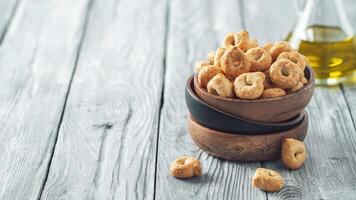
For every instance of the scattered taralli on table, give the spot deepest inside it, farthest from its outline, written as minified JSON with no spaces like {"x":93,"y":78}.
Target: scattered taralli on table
{"x":267,"y":180}
{"x":185,"y":167}
{"x":239,"y":57}
{"x":293,"y":153}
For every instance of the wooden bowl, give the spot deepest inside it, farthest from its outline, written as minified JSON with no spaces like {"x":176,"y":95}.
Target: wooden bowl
{"x":243,"y":147}
{"x":213,"y":118}
{"x":277,"y":109}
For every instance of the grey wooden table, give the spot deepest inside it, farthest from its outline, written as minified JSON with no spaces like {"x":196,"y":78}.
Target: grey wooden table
{"x":92,"y":102}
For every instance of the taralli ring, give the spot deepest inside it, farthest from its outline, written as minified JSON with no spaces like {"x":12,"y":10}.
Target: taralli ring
{"x":200,"y":64}
{"x":267,"y":83}
{"x":295,"y":57}
{"x":207,"y":73}
{"x":229,"y":40}
{"x":211,"y":57}
{"x":279,"y":48}
{"x":185,"y":167}
{"x":293,"y":153}
{"x":268,"y":47}
{"x":217,"y":57}
{"x":243,"y":42}
{"x":299,"y":85}
{"x":234,"y":62}
{"x":249,"y":85}
{"x":285,"y":74}
{"x":260,"y":59}
{"x":267,"y":180}
{"x":220,"y":85}
{"x":273,"y":92}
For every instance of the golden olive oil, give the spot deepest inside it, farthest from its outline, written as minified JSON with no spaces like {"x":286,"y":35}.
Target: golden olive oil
{"x":331,"y":53}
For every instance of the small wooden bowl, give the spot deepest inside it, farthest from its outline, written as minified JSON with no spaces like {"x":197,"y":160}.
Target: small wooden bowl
{"x":243,"y":147}
{"x":213,"y":118}
{"x":277,"y":109}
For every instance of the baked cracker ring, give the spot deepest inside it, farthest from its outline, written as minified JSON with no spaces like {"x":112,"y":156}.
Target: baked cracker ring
{"x":249,"y":85}
{"x":200,"y":64}
{"x":273,"y":92}
{"x":234,"y":62}
{"x":217,"y":57}
{"x":299,"y":85}
{"x":252,"y":43}
{"x":211,"y":57}
{"x":260,"y":59}
{"x":267,"y":83}
{"x":229,"y":40}
{"x":242,"y":40}
{"x":220,"y":85}
{"x":268,"y":47}
{"x":279,"y":48}
{"x":295,"y":57}
{"x":285,"y":74}
{"x":206,"y":74}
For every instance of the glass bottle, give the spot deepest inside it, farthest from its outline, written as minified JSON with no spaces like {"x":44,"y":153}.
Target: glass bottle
{"x":323,"y":34}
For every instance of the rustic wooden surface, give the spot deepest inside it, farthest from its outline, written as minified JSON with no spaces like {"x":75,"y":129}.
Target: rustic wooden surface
{"x":92,"y":102}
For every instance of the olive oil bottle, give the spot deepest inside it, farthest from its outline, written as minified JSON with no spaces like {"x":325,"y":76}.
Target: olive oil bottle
{"x":327,"y":40}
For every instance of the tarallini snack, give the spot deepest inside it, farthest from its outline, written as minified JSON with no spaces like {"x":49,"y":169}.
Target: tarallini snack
{"x":239,"y":58}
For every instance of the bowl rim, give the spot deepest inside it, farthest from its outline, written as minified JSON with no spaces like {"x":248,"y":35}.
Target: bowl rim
{"x":307,"y":86}
{"x":190,"y":88}
{"x":304,"y":120}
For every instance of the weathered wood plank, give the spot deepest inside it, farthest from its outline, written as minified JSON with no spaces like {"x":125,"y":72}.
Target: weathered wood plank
{"x":7,"y":11}
{"x":195,"y":28}
{"x":37,"y":58}
{"x":329,"y":172}
{"x":107,"y":141}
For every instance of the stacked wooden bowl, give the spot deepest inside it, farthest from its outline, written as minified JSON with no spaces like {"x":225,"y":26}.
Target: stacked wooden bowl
{"x":248,"y":130}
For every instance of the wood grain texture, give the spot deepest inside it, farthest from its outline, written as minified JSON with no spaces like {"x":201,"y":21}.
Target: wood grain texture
{"x":243,"y":147}
{"x":7,"y":11}
{"x":106,"y":147}
{"x":328,"y":172}
{"x":36,"y":62}
{"x":196,"y":28}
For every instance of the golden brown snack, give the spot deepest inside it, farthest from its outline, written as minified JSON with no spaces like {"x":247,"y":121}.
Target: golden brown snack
{"x":211,"y":57}
{"x":249,"y":85}
{"x":278,"y":48}
{"x":220,"y":85}
{"x":242,"y":41}
{"x":260,"y":59}
{"x":267,"y":83}
{"x":273,"y":92}
{"x":229,"y":40}
{"x":295,"y":57}
{"x":185,"y":167}
{"x":267,"y":180}
{"x":293,"y":153}
{"x":234,"y":62}
{"x":207,"y":73}
{"x":200,"y":64}
{"x":299,"y":85}
{"x":239,"y":39}
{"x":268,"y":47}
{"x":285,"y":74}
{"x":217,"y":57}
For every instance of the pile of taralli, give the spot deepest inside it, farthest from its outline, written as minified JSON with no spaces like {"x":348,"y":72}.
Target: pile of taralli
{"x":242,"y":69}
{"x":293,"y":155}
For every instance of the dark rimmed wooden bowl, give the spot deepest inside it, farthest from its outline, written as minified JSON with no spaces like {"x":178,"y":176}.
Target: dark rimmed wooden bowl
{"x":277,"y":109}
{"x":213,"y":118}
{"x":243,"y":147}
